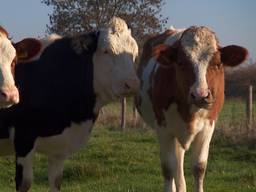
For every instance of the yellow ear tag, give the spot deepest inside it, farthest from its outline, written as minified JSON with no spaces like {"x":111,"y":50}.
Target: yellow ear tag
{"x":22,"y":55}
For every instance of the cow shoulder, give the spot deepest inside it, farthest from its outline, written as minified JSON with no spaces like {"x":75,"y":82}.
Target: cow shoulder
{"x":149,"y":46}
{"x":59,"y":81}
{"x":161,"y":79}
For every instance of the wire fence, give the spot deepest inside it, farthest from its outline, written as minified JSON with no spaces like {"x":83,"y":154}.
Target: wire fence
{"x":240,"y":91}
{"x":236,"y":120}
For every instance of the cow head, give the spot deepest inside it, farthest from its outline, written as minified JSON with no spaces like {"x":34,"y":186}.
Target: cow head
{"x":114,"y":70}
{"x":199,"y":63}
{"x":9,"y":94}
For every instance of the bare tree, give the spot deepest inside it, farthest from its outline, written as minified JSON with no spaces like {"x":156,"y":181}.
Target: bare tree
{"x":76,"y":16}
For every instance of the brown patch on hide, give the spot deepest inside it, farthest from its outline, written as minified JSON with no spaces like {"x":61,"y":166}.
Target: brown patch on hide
{"x":199,"y":170}
{"x":215,"y":80}
{"x":149,"y":46}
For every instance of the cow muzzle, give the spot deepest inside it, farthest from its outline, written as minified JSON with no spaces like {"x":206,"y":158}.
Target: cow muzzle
{"x":202,"y":98}
{"x":131,"y":86}
{"x":9,"y":96}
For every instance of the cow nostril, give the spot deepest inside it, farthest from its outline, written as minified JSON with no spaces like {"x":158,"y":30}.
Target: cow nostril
{"x":208,"y":95}
{"x":193,"y":96}
{"x":3,"y":94}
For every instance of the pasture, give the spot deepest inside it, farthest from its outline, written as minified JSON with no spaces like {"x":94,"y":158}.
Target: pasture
{"x":116,"y":161}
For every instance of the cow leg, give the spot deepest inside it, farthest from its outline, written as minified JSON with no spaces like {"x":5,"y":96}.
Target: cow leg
{"x":168,"y":159}
{"x":179,"y":176}
{"x":55,"y":172}
{"x":24,"y":172}
{"x":200,"y":151}
{"x":171,"y":155}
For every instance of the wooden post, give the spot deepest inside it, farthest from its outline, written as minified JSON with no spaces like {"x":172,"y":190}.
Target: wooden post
{"x":249,"y":105}
{"x":123,"y":113}
{"x":135,"y":113}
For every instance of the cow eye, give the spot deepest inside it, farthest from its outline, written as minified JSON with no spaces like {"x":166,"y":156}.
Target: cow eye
{"x":216,"y":67}
{"x":181,"y":65}
{"x":106,"y":52}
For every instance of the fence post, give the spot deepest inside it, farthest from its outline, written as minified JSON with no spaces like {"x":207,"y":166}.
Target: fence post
{"x":135,"y":113}
{"x":123,"y":113}
{"x":249,"y":105}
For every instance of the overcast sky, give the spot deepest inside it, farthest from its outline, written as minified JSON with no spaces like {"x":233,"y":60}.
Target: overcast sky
{"x":234,"y":21}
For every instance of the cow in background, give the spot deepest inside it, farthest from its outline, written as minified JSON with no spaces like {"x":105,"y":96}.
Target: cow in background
{"x":63,"y":83}
{"x":9,"y":94}
{"x":181,"y":95}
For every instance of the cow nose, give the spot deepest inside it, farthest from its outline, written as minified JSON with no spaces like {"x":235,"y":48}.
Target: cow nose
{"x":10,"y":95}
{"x":200,"y":94}
{"x":132,"y":85}
{"x":3,"y":94}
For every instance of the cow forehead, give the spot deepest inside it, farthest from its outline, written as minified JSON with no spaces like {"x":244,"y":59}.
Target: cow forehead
{"x":199,"y":44}
{"x":121,"y":43}
{"x":7,"y":51}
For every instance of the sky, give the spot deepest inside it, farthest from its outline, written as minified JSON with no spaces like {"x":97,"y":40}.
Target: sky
{"x":234,"y":21}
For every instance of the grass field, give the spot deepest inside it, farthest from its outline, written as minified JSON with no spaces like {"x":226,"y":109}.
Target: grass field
{"x":115,"y":161}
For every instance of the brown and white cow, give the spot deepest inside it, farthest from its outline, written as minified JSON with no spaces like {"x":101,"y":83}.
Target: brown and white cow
{"x":181,"y":95}
{"x":9,"y":94}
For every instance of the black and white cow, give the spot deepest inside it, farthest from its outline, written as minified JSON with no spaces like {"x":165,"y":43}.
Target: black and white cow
{"x":63,"y":83}
{"x":9,"y":94}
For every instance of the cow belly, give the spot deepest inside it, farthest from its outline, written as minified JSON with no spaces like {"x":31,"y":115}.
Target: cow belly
{"x":184,"y":132}
{"x":69,"y":141}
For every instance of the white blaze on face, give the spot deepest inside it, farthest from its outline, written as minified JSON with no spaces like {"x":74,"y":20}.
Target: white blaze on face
{"x":199,"y":46}
{"x":114,"y":72}
{"x":9,"y":94}
{"x":7,"y":55}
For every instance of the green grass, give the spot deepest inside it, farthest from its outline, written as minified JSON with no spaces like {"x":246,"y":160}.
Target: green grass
{"x":233,"y":112}
{"x":232,"y":121}
{"x":114,"y":161}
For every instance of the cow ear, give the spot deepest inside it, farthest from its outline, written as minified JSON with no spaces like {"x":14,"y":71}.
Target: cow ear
{"x":165,"y":55}
{"x":233,"y":55}
{"x":27,"y":49}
